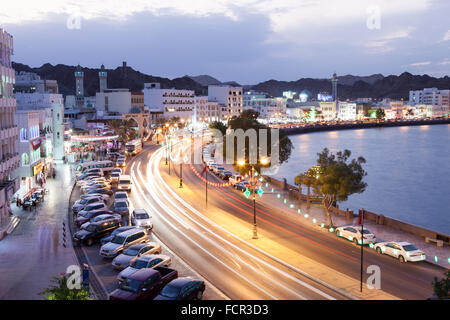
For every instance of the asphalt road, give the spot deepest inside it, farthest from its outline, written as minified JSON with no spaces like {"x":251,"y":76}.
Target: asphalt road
{"x":243,"y":273}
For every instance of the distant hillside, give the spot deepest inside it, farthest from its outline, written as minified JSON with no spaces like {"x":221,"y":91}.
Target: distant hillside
{"x":395,"y":87}
{"x":205,"y":80}
{"x":349,"y":86}
{"x":350,"y":80}
{"x":117,"y":78}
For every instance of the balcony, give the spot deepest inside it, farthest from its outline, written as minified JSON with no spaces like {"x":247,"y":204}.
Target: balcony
{"x":9,"y":162}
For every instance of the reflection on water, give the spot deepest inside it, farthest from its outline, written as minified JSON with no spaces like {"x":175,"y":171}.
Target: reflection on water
{"x":408,"y":170}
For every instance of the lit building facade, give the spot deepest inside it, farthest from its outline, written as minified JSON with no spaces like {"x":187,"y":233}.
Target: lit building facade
{"x":205,"y":110}
{"x":9,"y":158}
{"x":171,"y":102}
{"x":347,"y":111}
{"x":229,"y":99}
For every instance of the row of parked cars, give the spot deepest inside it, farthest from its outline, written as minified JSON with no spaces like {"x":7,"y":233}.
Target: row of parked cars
{"x":144,"y":272}
{"x":403,"y":251}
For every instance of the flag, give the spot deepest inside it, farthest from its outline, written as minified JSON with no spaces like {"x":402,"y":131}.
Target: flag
{"x":204,"y":169}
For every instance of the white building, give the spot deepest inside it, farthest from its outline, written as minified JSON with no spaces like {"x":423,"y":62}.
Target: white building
{"x":346,"y":111}
{"x":9,"y":158}
{"x":29,"y":144}
{"x":205,"y":110}
{"x":328,"y":110}
{"x":171,"y":102}
{"x":229,"y":99}
{"x":113,"y":101}
{"x":51,"y":120}
{"x":268,"y":108}
{"x":31,"y":82}
{"x":431,"y":96}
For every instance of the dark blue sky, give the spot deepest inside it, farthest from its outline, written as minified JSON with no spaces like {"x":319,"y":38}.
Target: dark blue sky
{"x":247,"y":41}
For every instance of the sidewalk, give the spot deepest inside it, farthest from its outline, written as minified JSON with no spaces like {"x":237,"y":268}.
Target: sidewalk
{"x":29,"y":258}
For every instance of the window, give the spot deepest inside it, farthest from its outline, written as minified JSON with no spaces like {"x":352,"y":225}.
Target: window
{"x":25,"y":159}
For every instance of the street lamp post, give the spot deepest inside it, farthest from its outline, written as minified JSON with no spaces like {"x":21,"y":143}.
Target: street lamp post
{"x":263,"y":161}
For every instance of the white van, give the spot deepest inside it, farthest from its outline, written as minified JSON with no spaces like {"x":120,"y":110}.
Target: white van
{"x":124,"y":183}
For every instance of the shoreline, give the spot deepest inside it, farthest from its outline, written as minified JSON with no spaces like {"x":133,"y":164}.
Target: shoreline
{"x":375,"y":217}
{"x":361,"y":125}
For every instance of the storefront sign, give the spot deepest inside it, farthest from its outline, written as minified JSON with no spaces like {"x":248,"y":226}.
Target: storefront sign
{"x":37,"y":168}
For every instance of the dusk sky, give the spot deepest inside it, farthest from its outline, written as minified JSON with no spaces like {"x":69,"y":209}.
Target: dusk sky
{"x":248,"y":41}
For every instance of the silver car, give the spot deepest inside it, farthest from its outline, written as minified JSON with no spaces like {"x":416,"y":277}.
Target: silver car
{"x":134,"y":252}
{"x":148,"y":261}
{"x":141,"y":218}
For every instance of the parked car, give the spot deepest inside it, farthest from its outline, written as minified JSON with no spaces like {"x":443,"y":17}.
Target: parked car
{"x":109,"y":192}
{"x":91,"y":207}
{"x":185,"y":288}
{"x":225,"y":175}
{"x":91,"y":185}
{"x":82,"y":203}
{"x":241,"y":186}
{"x":104,"y":216}
{"x":403,"y":251}
{"x":81,"y":219}
{"x":104,"y":197}
{"x":95,"y":231}
{"x":140,"y":218}
{"x":124,"y":183}
{"x":121,"y":207}
{"x":147,"y":261}
{"x":122,"y":195}
{"x":218,"y":169}
{"x":114,"y":177}
{"x":235,"y":178}
{"x":122,"y":241}
{"x":83,"y":182}
{"x":121,"y":162}
{"x":108,"y":238}
{"x":144,"y":284}
{"x":87,"y":175}
{"x":117,"y":170}
{"x":353,"y":233}
{"x":130,"y":255}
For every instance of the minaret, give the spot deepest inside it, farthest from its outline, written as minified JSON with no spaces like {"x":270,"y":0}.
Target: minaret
{"x":334,"y":81}
{"x":79,"y":83}
{"x":103,"y":75}
{"x":79,"y":87}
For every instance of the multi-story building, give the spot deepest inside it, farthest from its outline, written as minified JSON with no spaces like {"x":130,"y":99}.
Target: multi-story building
{"x":113,"y":101}
{"x":229,"y":99}
{"x":431,"y":96}
{"x":346,"y":111}
{"x":29,"y":148}
{"x":31,"y":82}
{"x":9,"y":158}
{"x":51,"y":121}
{"x":205,"y":110}
{"x":268,"y":108}
{"x":169,"y":102}
{"x":328,"y":110}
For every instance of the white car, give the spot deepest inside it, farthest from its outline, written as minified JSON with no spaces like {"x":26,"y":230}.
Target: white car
{"x":147,"y":261}
{"x":122,"y":195}
{"x":403,"y":251}
{"x":235,"y":178}
{"x":140,"y":218}
{"x":104,"y":196}
{"x":114,"y":177}
{"x":353,"y":233}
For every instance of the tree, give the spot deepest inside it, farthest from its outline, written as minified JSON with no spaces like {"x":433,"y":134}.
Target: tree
{"x":380,"y":114}
{"x":309,"y":179}
{"x":338,"y":178}
{"x":248,"y":120}
{"x":123,"y":129}
{"x":219,"y":126}
{"x":60,"y":290}
{"x":442,"y":287}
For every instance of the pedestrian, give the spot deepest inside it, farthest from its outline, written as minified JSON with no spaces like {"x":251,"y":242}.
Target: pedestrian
{"x":54,"y":173}
{"x":17,"y":202}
